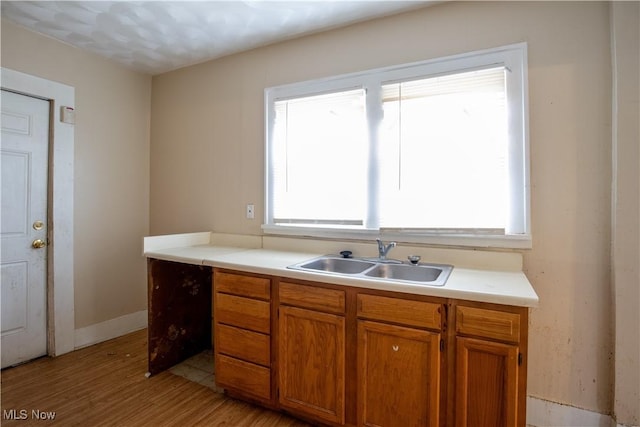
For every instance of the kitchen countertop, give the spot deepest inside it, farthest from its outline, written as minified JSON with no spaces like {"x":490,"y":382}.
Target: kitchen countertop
{"x":499,"y":287}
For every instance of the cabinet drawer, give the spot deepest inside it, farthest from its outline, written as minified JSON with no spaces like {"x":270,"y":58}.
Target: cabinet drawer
{"x":243,"y":376}
{"x":481,"y":322}
{"x":313,"y":297}
{"x":237,"y":284}
{"x":242,"y":344}
{"x":242,"y":312}
{"x":407,"y":312}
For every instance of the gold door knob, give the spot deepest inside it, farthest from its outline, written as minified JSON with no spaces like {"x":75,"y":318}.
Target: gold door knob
{"x":38,"y":244}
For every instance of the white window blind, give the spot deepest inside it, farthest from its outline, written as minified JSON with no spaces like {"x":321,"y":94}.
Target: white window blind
{"x":444,"y":145}
{"x":319,"y":159}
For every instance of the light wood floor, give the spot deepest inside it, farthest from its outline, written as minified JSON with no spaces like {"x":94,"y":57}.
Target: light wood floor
{"x":105,"y":385}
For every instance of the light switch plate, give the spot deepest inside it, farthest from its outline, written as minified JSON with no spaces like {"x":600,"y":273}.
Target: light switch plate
{"x":68,"y":115}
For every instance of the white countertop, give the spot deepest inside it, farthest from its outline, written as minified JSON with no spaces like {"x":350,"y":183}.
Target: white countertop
{"x":499,"y":287}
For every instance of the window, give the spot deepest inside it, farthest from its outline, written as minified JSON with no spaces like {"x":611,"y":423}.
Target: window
{"x":320,"y":159}
{"x":430,"y":152}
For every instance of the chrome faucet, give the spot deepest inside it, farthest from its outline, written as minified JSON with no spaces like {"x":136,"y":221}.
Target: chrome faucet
{"x":383,"y":249}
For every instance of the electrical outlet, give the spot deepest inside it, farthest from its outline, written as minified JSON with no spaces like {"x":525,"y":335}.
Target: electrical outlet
{"x":250,"y":211}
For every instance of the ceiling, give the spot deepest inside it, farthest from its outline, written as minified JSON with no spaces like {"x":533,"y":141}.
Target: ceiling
{"x":158,"y":36}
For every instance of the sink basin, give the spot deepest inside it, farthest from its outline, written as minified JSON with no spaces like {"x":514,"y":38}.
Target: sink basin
{"x":422,"y":274}
{"x":335,"y":265}
{"x":433,"y":274}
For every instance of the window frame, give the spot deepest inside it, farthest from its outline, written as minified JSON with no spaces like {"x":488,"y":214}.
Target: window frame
{"x":512,"y":57}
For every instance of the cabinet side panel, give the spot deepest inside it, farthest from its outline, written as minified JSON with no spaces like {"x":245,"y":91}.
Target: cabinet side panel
{"x":179,"y":301}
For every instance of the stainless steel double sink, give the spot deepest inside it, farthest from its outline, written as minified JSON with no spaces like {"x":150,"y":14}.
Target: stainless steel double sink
{"x":371,"y":268}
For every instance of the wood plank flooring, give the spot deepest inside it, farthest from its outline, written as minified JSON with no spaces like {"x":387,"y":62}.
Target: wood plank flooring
{"x":105,"y":385}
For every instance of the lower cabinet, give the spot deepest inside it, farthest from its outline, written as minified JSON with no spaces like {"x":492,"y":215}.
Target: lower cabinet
{"x":400,"y":347}
{"x":486,"y":383}
{"x":399,"y":375}
{"x":242,"y":334}
{"x":337,"y":355}
{"x":490,"y":381}
{"x":311,"y":363}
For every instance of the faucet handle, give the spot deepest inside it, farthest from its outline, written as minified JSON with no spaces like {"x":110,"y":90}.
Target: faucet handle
{"x":381,"y":243}
{"x":414,"y":259}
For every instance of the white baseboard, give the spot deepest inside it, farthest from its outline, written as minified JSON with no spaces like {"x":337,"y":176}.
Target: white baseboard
{"x":543,"y":413}
{"x":110,"y":329}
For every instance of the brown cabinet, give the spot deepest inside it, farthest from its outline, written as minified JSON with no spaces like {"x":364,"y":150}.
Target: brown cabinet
{"x":242,"y":334}
{"x":312,"y":352}
{"x":399,"y":362}
{"x":490,"y":377}
{"x":421,"y":314}
{"x":339,"y":355}
{"x":399,"y":375}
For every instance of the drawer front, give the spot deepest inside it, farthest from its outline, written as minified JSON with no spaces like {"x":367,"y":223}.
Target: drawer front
{"x":238,"y":284}
{"x":243,"y":376}
{"x":481,"y":322}
{"x":242,"y":344}
{"x":407,"y":312}
{"x":242,"y":312}
{"x":331,"y":300}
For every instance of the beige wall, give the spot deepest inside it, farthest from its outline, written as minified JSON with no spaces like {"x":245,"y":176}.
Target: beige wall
{"x":207,"y":162}
{"x":111,"y":195}
{"x":625,"y":22}
{"x":207,"y":155}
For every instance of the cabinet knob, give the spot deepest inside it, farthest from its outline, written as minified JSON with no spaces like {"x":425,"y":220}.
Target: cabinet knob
{"x":395,"y":347}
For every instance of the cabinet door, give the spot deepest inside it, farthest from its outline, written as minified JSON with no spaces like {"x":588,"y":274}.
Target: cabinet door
{"x":311,"y":363}
{"x":486,"y":383}
{"x":398,"y":376}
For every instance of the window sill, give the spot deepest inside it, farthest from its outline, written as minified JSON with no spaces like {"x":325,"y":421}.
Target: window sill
{"x":519,"y":241}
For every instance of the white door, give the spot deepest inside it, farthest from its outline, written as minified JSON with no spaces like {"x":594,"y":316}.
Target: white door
{"x":23,"y":227}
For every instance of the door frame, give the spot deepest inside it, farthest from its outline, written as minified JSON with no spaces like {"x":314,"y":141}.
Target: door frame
{"x":60,"y":284}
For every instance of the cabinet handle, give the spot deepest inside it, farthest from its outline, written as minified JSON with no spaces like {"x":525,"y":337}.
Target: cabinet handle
{"x":395,"y":347}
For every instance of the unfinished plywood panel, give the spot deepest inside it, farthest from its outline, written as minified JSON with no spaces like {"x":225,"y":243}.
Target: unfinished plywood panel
{"x":179,"y":312}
